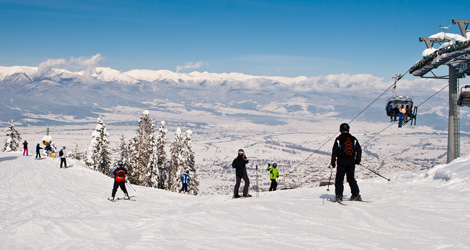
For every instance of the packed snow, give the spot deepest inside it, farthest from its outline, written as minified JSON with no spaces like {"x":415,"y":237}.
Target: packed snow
{"x":45,"y":207}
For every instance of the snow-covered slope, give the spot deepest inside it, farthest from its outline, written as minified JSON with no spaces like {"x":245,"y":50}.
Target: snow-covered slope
{"x":44,"y":207}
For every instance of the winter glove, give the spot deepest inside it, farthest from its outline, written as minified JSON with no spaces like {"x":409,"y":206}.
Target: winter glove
{"x":332,"y":166}
{"x":358,"y":162}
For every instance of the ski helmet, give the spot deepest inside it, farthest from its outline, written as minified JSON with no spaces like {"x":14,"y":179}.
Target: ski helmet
{"x":274,"y":164}
{"x":344,"y":127}
{"x":241,"y":152}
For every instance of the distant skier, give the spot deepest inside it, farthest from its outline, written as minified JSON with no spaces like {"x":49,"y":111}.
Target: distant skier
{"x":63,"y":157}
{"x":185,"y":179}
{"x":347,"y":153}
{"x":38,"y":151}
{"x":120,"y":180}
{"x":239,"y":164}
{"x":274,"y":173}
{"x":25,"y":148}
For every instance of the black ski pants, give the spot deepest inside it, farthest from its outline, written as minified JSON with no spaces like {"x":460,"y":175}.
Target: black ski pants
{"x":347,"y":170}
{"x":273,"y":185}
{"x":122,"y":185}
{"x":237,"y":185}
{"x":63,"y":161}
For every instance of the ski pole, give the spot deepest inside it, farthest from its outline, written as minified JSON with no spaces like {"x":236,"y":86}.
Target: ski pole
{"x":329,"y":180}
{"x":130,"y":186}
{"x":374,"y":172}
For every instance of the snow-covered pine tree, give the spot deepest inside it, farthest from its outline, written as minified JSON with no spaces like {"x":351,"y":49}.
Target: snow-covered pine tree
{"x":123,"y":150}
{"x":141,"y":147}
{"x":76,"y":154}
{"x":177,"y":163}
{"x":190,"y":164}
{"x":99,"y":153}
{"x":161,"y":163}
{"x":13,"y":140}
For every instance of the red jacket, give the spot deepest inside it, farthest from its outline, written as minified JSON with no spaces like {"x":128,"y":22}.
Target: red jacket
{"x":120,"y":174}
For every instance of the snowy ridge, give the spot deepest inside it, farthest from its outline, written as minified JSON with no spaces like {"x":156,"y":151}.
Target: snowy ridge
{"x":44,"y":207}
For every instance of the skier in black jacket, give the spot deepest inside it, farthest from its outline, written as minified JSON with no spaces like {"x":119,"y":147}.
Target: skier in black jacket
{"x":239,"y":164}
{"x":38,"y":151}
{"x":120,"y":180}
{"x":347,"y":153}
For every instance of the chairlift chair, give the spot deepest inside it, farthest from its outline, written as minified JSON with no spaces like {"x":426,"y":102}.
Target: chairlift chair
{"x":464,"y":97}
{"x":405,"y":101}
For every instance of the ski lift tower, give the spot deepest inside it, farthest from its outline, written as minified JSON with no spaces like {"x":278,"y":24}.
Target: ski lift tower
{"x":456,"y":55}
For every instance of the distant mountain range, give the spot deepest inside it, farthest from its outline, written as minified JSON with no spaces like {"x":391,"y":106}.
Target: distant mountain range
{"x":38,"y":96}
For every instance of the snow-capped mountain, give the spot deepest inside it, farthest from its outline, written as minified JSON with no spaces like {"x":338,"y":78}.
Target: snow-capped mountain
{"x":41,"y":95}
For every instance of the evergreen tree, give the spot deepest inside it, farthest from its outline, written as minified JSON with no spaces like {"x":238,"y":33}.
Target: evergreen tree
{"x":123,"y":150}
{"x":143,"y":168}
{"x":99,"y":153}
{"x":13,"y":140}
{"x":161,"y":154}
{"x":76,"y":154}
{"x":177,"y":163}
{"x":189,"y":163}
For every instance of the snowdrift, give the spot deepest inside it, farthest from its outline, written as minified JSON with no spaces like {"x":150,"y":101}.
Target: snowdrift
{"x":45,"y":207}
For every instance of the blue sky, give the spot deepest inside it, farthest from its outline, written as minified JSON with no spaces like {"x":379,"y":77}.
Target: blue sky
{"x":285,"y":38}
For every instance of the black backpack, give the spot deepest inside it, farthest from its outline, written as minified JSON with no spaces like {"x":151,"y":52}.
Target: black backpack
{"x":121,"y":173}
{"x":346,"y":146}
{"x":61,"y":153}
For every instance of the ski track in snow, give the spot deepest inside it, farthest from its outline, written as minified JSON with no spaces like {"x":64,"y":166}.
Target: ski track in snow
{"x":45,"y":207}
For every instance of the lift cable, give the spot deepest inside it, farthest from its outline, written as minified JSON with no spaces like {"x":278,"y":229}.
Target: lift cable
{"x":397,"y":78}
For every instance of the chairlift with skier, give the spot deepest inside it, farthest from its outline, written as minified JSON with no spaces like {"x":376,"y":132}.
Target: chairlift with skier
{"x":401,"y":107}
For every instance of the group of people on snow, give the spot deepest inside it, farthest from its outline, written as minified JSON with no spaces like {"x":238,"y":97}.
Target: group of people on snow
{"x":62,"y":153}
{"x":346,"y":154}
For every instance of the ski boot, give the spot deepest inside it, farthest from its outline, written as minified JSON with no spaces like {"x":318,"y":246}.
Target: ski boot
{"x":339,"y":197}
{"x":355,"y":198}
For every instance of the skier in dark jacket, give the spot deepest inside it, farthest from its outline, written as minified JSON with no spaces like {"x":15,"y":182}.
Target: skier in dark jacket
{"x":347,"y":153}
{"x":38,"y":151}
{"x":239,"y":164}
{"x":120,"y":180}
{"x":25,"y":148}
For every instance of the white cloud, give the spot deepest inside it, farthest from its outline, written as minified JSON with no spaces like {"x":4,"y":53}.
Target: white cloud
{"x":191,"y":65}
{"x":89,"y":65}
{"x":45,"y":68}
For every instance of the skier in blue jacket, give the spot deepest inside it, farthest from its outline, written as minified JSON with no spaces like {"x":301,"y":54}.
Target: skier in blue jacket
{"x":185,"y":181}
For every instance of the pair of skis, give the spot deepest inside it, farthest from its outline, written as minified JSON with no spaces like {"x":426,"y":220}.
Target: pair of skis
{"x":342,"y":202}
{"x":131,"y":198}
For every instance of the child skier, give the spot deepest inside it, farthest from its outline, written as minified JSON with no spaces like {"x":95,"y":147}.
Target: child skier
{"x":274,"y":173}
{"x":185,"y":181}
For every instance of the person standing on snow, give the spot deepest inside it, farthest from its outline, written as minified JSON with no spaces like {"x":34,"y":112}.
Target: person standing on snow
{"x":38,"y":151}
{"x":239,"y":164}
{"x":120,"y":180}
{"x":63,"y":156}
{"x":25,"y":148}
{"x":274,"y":173}
{"x":347,"y":153}
{"x":185,"y":181}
